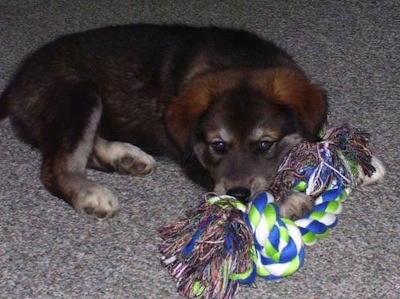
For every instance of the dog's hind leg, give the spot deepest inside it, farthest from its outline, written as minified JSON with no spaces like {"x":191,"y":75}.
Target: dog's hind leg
{"x":66,"y":154}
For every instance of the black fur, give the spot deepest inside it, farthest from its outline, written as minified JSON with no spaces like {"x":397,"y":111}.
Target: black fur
{"x":130,"y":74}
{"x":132,"y":63}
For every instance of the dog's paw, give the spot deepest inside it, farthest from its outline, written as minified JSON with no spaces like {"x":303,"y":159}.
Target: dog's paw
{"x":97,"y":201}
{"x":121,"y":157}
{"x":380,"y":172}
{"x":296,"y":205}
{"x":137,"y":165}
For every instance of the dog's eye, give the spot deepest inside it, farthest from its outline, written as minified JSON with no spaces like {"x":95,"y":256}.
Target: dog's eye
{"x":218,"y":146}
{"x":264,"y":145}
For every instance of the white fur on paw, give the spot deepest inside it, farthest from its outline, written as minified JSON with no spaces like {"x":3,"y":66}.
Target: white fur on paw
{"x":127,"y":158}
{"x":296,"y":205}
{"x":380,"y":172}
{"x":97,"y":201}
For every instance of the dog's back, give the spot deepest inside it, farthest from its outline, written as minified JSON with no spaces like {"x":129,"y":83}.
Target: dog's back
{"x":135,"y":66}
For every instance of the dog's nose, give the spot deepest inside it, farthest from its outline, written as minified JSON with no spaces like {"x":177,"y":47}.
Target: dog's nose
{"x":241,"y":193}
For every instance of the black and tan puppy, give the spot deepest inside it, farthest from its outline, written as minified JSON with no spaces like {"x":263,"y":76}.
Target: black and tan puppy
{"x":95,"y":99}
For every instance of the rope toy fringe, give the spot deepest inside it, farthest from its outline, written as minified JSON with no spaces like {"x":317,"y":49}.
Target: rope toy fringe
{"x":223,"y":243}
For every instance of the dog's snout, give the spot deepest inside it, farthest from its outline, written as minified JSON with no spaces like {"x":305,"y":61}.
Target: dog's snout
{"x":241,"y":193}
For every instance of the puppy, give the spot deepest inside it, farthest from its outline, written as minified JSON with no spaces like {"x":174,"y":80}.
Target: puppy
{"x":101,"y":98}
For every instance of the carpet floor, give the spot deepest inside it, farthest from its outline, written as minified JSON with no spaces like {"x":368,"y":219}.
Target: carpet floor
{"x":351,"y":48}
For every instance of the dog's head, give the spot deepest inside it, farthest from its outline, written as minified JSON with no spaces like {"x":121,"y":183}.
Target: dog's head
{"x":240,"y":124}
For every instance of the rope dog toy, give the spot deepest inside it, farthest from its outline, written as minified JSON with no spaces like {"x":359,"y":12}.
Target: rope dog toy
{"x":224,"y":243}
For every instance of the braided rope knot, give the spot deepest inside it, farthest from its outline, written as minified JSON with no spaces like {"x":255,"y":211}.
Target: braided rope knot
{"x":278,"y":245}
{"x":279,"y":242}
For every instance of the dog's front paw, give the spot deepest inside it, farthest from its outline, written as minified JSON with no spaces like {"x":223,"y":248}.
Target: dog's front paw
{"x":296,"y":205}
{"x":97,"y":201}
{"x":135,"y":165}
{"x":121,"y":157}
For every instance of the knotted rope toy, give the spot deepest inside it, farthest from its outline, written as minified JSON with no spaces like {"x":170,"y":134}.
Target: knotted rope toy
{"x":223,"y":243}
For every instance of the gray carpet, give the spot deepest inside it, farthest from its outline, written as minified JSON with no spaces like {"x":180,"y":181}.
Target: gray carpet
{"x":351,"y":48}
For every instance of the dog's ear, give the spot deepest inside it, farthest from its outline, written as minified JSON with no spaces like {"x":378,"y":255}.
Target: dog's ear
{"x":306,"y":101}
{"x":182,"y":116}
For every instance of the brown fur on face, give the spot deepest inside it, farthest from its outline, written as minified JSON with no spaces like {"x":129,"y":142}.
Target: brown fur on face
{"x":183,"y":114}
{"x":241,"y":123}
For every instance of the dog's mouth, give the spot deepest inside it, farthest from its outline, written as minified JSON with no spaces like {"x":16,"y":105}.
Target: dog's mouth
{"x":244,"y":193}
